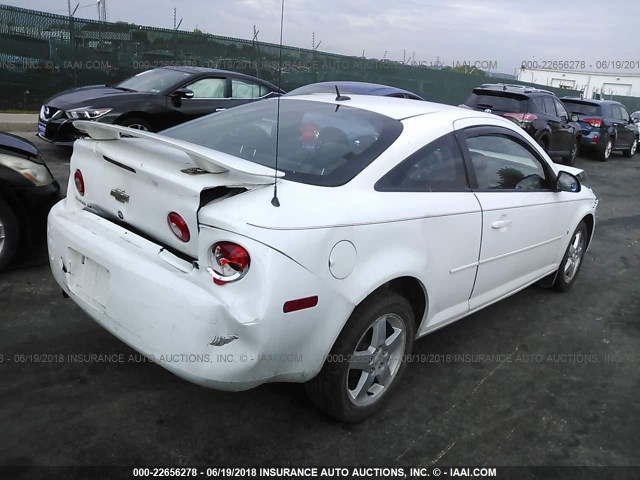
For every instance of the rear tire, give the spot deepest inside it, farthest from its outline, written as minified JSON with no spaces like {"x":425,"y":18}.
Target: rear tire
{"x":367,"y":360}
{"x":630,"y":152}
{"x":542,"y":141}
{"x":605,"y":151}
{"x":9,"y":234}
{"x":571,"y":158}
{"x":572,"y":260}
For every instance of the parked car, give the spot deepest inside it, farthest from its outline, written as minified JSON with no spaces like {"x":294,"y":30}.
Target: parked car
{"x":180,"y":244}
{"x":538,"y":112}
{"x":606,"y":126}
{"x":354,"y":88}
{"x":27,"y":192}
{"x":151,"y":100}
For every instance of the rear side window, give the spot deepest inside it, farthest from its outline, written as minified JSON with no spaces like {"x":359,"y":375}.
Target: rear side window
{"x":246,"y":89}
{"x":579,"y":108}
{"x":438,"y":166}
{"x":549,"y":106}
{"x":498,"y":103}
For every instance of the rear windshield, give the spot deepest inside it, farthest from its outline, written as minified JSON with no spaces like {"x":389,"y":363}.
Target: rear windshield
{"x":496,"y":102}
{"x":579,"y":108}
{"x":319,"y":143}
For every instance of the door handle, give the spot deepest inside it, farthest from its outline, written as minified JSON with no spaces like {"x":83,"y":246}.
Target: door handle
{"x":500,"y":224}
{"x":219,"y":109}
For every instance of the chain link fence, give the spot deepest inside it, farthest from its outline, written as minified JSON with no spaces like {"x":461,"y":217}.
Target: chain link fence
{"x":42,"y":54}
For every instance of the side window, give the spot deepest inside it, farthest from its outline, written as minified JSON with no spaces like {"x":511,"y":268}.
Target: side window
{"x":245,"y":89}
{"x":549,"y":106}
{"x":562,"y":112}
{"x":538,"y":104}
{"x":624,"y":114}
{"x":437,"y":166}
{"x":502,"y":162}
{"x":615,"y":112}
{"x":208,"y":88}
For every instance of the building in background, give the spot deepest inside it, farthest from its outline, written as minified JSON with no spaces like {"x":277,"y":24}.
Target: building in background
{"x":592,"y":84}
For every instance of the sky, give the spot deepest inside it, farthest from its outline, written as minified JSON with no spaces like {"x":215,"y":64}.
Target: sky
{"x":496,"y":34}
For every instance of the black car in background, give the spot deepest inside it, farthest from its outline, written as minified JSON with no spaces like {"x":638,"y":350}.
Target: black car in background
{"x":354,"y":88}
{"x":151,"y":100}
{"x":606,"y":126}
{"x":539,"y":112}
{"x":27,"y":193}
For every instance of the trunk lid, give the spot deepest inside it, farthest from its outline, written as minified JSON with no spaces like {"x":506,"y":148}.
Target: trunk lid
{"x":137,"y":182}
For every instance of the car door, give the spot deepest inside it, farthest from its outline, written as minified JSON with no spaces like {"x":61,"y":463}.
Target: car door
{"x":626,"y":130}
{"x":553,"y":122}
{"x":523,"y":218}
{"x":566,"y":131}
{"x":210,"y":95}
{"x":431,"y":186}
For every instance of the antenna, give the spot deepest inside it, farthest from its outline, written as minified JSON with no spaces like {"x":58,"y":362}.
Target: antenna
{"x":274,"y":201}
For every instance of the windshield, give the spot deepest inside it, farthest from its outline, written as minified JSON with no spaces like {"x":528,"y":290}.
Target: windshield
{"x":319,"y":143}
{"x":153,"y":81}
{"x":580,"y":108}
{"x":497,"y":102}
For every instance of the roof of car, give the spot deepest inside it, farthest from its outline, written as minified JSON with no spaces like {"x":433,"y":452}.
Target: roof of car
{"x":511,"y":88}
{"x":348,"y":87}
{"x":397,"y":108}
{"x":591,"y":101}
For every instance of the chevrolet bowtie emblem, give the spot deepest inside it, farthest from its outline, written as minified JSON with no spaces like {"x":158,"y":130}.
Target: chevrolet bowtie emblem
{"x":120,"y":195}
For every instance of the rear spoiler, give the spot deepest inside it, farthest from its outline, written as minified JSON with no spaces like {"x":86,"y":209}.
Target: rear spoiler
{"x":207,"y":159}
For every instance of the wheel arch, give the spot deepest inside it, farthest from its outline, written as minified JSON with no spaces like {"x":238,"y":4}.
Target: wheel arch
{"x":135,"y":114}
{"x":589,"y":221}
{"x":412,"y":290}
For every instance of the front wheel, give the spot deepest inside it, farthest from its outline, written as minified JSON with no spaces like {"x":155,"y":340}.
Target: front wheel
{"x":572,"y":260}
{"x":630,"y":152}
{"x":367,"y":360}
{"x":137,"y":124}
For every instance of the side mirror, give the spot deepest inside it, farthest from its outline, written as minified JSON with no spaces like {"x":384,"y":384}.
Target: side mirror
{"x":574,"y":118}
{"x":567,"y":182}
{"x":182,"y":93}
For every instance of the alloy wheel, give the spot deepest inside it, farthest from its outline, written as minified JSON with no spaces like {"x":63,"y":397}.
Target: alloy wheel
{"x":376,"y":360}
{"x":2,"y":236}
{"x":574,"y":256}
{"x":137,"y":126}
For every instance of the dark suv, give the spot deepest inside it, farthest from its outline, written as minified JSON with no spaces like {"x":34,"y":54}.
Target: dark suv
{"x":538,"y":112}
{"x":606,"y":126}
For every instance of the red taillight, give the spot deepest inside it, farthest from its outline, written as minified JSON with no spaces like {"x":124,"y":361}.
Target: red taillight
{"x":594,"y":122}
{"x":230,"y":262}
{"x":79,"y":182}
{"x":594,"y":139}
{"x":521,"y":117}
{"x":178,"y":226}
{"x":300,"y":304}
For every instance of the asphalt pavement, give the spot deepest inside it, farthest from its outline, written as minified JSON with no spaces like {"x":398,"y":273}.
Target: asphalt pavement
{"x":541,"y":378}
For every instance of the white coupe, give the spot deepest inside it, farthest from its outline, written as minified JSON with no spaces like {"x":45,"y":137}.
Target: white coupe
{"x":392,"y":218}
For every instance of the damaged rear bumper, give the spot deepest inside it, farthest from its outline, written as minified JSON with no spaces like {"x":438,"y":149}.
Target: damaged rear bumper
{"x":170,"y":311}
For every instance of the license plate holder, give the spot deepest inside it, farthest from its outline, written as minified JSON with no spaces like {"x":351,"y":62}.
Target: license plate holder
{"x":88,"y":280}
